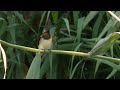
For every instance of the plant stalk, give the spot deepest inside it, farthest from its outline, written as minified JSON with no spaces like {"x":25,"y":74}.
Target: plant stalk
{"x":72,"y":53}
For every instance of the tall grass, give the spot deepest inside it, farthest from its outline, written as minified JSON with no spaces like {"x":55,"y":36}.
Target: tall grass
{"x":78,"y":31}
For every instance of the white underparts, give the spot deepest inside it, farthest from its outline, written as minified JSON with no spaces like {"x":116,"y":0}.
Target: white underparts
{"x":45,"y":44}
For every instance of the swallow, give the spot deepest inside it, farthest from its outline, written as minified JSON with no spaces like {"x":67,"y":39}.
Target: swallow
{"x":46,"y":40}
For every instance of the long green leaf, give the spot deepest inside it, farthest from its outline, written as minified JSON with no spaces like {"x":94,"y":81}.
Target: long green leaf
{"x":111,"y":64}
{"x":44,"y":68}
{"x":4,"y":59}
{"x":67,"y":39}
{"x":34,"y":70}
{"x":12,"y":30}
{"x":111,"y":23}
{"x":97,"y":24}
{"x":112,"y":73}
{"x":47,"y":19}
{"x":89,"y":17}
{"x":82,"y":71}
{"x":3,"y":26}
{"x":54,"y":16}
{"x":76,"y":16}
{"x":55,"y":67}
{"x":22,"y":19}
{"x":10,"y":72}
{"x":41,"y":20}
{"x":73,"y":72}
{"x":96,"y":67}
{"x":77,"y":47}
{"x":79,"y":28}
{"x":67,"y":24}
{"x":104,"y":44}
{"x":51,"y":66}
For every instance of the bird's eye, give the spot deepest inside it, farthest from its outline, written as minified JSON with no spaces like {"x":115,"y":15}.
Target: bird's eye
{"x":45,"y":31}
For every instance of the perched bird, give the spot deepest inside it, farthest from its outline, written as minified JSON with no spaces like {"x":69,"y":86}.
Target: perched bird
{"x":46,"y":40}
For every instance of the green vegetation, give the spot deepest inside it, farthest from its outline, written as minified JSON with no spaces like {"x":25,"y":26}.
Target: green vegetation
{"x":86,"y":45}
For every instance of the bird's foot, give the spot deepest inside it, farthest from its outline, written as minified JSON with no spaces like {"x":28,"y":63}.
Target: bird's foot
{"x":49,"y":50}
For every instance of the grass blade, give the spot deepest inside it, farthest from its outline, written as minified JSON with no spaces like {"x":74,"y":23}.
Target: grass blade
{"x":54,"y":16}
{"x":4,"y":59}
{"x":97,"y":24}
{"x":73,"y":72}
{"x":78,"y":46}
{"x":104,"y":44}
{"x":76,"y":16}
{"x":96,"y":67}
{"x":67,"y":24}
{"x":34,"y":70}
{"x":41,"y":20}
{"x":79,"y":28}
{"x":51,"y":69}
{"x":22,"y":19}
{"x":89,"y":17}
{"x":112,"y":73}
{"x":111,"y":64}
{"x":44,"y":68}
{"x":111,"y":23}
{"x":12,"y":30}
{"x":47,"y":19}
{"x":82,"y":71}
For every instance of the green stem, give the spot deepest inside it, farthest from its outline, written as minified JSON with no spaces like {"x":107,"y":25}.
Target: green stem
{"x":19,"y":47}
{"x":117,"y":60}
{"x":58,"y":52}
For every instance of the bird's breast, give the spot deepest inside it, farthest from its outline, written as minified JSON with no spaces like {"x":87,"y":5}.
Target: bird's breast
{"x":45,"y":44}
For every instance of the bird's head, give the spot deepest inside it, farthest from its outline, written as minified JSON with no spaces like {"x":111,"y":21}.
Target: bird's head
{"x":45,"y":30}
{"x":45,"y":33}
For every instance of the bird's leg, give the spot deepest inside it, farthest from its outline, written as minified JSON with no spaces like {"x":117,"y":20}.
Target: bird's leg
{"x":49,"y":50}
{"x":44,"y":50}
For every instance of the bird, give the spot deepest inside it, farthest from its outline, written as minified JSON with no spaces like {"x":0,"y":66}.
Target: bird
{"x":46,"y":40}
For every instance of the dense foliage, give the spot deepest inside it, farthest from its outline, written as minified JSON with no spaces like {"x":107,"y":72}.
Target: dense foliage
{"x":73,"y":31}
